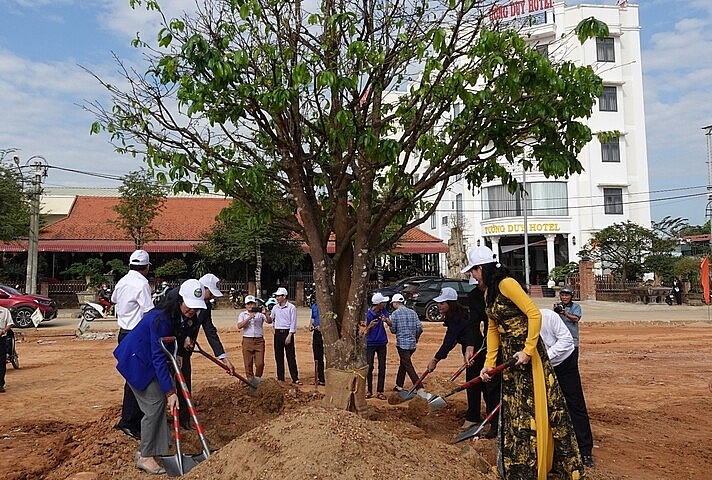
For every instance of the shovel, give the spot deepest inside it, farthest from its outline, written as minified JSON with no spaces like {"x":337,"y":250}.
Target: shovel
{"x":467,"y":363}
{"x":183,"y":387}
{"x":436,"y":403}
{"x":474,"y":431}
{"x":408,"y":394}
{"x":178,"y":464}
{"x":252,"y":384}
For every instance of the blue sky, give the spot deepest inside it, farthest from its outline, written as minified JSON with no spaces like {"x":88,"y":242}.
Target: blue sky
{"x":44,"y":42}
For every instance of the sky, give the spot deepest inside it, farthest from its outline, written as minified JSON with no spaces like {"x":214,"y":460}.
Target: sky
{"x":47,"y":46}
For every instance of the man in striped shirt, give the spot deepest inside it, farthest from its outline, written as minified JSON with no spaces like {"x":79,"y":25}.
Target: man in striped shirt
{"x":407,"y":327}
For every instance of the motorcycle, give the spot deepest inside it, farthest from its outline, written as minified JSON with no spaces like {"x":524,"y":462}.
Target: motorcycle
{"x":670,"y":298}
{"x":236,"y":298}
{"x":158,"y":295}
{"x":91,"y":311}
{"x":12,"y":356}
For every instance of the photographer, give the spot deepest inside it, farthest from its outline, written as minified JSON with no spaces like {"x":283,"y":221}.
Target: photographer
{"x":570,"y":313}
{"x":251,"y":322}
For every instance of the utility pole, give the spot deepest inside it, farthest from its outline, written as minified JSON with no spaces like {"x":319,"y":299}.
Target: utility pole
{"x":33,"y":240}
{"x":708,"y":211}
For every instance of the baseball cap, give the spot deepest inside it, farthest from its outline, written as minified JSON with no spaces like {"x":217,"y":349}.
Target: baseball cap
{"x":139,"y":257}
{"x":479,"y":256}
{"x":447,"y":293}
{"x":210,"y":282}
{"x":398,"y":298}
{"x":192,"y":293}
{"x":281,"y":291}
{"x":250,"y":299}
{"x":378,"y":298}
{"x":568,"y":290}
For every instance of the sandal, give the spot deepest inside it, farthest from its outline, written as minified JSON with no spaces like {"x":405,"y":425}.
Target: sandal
{"x":297,"y":382}
{"x":369,"y":395}
{"x":381,"y":396}
{"x":397,"y":389}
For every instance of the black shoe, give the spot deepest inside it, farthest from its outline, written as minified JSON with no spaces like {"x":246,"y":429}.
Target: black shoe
{"x":491,"y":433}
{"x":588,"y":461}
{"x":131,"y":432}
{"x":2,"y":389}
{"x":321,"y":382}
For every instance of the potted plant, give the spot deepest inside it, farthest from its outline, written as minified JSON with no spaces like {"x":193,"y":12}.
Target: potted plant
{"x":92,"y":271}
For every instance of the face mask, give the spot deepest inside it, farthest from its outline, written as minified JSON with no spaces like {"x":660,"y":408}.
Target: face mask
{"x":473,"y":281}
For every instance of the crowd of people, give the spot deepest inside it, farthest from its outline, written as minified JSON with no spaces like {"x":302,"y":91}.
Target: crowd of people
{"x":542,"y":425}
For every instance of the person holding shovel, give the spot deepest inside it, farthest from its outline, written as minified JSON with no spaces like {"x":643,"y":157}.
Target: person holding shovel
{"x":142,"y":362}
{"x":459,"y":330}
{"x":535,"y":431}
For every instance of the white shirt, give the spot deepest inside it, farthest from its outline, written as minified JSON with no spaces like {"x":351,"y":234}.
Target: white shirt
{"x":284,"y":317}
{"x":5,"y":318}
{"x":132,"y":296}
{"x":255,"y":327}
{"x":556,"y":336}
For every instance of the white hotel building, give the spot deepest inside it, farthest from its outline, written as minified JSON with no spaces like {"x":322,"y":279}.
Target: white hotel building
{"x":613,"y":188}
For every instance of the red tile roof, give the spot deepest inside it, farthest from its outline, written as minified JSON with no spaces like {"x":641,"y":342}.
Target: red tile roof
{"x":180,"y":224}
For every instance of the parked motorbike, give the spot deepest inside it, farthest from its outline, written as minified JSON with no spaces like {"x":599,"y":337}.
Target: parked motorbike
{"x":158,"y":295}
{"x":12,"y":356}
{"x":670,"y":298}
{"x":237,"y":299}
{"x":91,"y":311}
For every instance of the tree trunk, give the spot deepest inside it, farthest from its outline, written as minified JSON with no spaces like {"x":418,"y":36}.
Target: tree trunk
{"x":258,"y":272}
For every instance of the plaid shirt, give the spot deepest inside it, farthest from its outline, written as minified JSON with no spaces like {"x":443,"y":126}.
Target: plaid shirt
{"x":406,"y":326}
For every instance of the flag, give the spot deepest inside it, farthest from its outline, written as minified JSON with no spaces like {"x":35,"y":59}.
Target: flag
{"x":37,"y":317}
{"x":705,"y":279}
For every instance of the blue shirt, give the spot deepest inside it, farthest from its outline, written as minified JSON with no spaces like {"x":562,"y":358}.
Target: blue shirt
{"x":407,"y":327}
{"x":376,"y":337}
{"x":573,"y":309}
{"x":315,"y":315}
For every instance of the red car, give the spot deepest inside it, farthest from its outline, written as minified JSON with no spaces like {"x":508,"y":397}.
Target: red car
{"x":22,"y":305}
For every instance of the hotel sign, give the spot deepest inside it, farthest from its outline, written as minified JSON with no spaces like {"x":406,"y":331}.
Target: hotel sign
{"x":504,"y":228}
{"x":519,"y":8}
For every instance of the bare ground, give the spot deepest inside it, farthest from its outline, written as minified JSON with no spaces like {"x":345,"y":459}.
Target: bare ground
{"x":645,"y":381}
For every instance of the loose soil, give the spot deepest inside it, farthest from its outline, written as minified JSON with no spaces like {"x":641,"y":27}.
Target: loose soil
{"x":645,"y":385}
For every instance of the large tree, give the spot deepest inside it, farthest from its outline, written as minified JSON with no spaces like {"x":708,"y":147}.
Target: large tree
{"x":14,"y":202}
{"x":623,"y":247}
{"x":345,"y":124}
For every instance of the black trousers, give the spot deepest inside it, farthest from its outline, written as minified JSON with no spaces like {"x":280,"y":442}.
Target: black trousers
{"x":567,"y":373}
{"x":3,"y":359}
{"x":370,"y":353}
{"x":489,"y":390}
{"x":318,"y":349}
{"x":131,"y":413}
{"x":406,"y":366}
{"x":281,"y":350}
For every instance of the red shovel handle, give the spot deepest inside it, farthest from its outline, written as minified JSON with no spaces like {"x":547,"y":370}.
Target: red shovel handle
{"x":509,"y":363}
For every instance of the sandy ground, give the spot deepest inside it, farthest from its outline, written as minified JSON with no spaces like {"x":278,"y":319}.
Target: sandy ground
{"x":645,"y":370}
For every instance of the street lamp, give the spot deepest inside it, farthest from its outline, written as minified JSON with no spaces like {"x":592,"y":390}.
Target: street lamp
{"x":33,"y":238}
{"x":708,"y":212}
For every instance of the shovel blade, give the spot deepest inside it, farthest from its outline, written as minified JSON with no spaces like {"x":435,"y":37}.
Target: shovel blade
{"x":178,"y":465}
{"x":469,"y":433}
{"x":436,"y":403}
{"x":252,"y":385}
{"x":406,"y":395}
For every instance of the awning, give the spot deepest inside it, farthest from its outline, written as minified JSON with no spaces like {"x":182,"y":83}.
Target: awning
{"x":405,"y":247}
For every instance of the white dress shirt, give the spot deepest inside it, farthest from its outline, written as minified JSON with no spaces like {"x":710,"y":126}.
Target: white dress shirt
{"x":556,"y":336}
{"x":284,"y":317}
{"x":132,"y":296}
{"x":255,"y":327}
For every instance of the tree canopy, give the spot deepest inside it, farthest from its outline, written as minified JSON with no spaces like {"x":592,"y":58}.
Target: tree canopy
{"x":345,"y":124}
{"x":142,"y":199}
{"x":14,"y":205}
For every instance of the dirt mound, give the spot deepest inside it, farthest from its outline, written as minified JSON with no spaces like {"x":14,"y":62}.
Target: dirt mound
{"x":332,"y":444}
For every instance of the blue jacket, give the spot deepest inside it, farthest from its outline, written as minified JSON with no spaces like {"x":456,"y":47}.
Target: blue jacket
{"x":376,"y":337}
{"x":140,"y":356}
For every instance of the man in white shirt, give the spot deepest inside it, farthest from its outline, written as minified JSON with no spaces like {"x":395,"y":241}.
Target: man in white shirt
{"x":132,"y":297}
{"x":284,"y":321}
{"x":560,"y":347}
{"x":5,"y":327}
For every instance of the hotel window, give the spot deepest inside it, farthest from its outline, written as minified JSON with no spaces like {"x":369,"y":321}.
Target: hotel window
{"x":543,"y":50}
{"x":544,"y":199}
{"x":609,"y":100}
{"x":443,"y":221}
{"x":611,"y":150}
{"x":613,"y":201}
{"x":605,"y":51}
{"x":459,"y":210}
{"x":433,"y":222}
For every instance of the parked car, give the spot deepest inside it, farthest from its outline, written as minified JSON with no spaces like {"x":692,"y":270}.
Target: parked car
{"x":420,"y":296}
{"x":23,"y":305}
{"x":390,"y":290}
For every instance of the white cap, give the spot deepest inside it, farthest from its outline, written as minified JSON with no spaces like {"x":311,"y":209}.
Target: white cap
{"x":447,"y":293}
{"x":210,"y":282}
{"x":479,"y":256}
{"x":250,"y":299}
{"x":281,"y":291}
{"x":139,"y":257}
{"x":378,"y":298}
{"x":193,"y":294}
{"x":398,"y":298}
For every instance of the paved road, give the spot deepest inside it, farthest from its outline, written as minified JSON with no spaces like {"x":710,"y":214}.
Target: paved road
{"x":593,"y":311}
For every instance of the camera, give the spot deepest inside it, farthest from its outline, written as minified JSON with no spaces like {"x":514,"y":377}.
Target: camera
{"x":559,"y":308}
{"x":256,"y":309}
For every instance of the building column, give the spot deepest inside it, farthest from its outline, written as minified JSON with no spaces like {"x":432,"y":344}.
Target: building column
{"x":550,"y":254}
{"x":587,"y":279}
{"x":495,"y":245}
